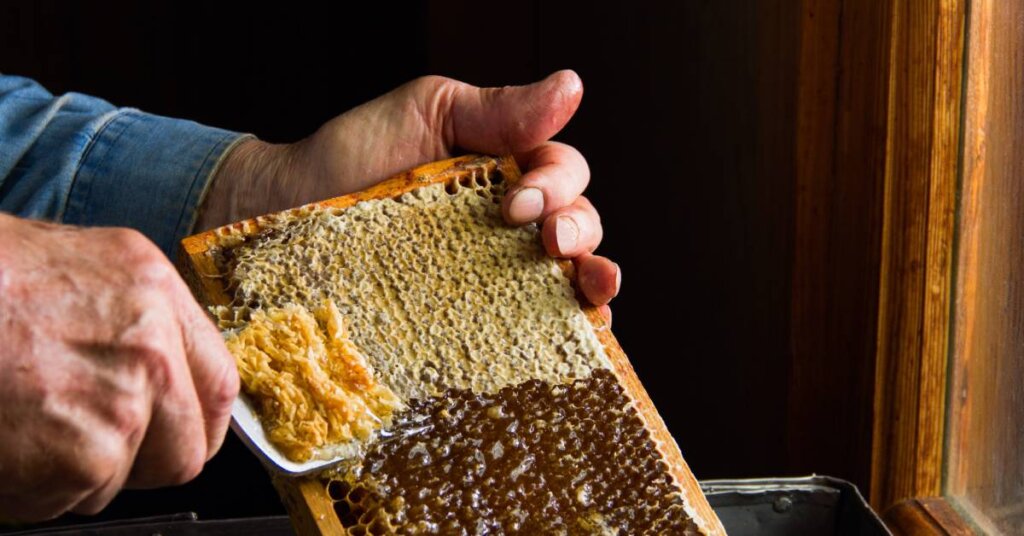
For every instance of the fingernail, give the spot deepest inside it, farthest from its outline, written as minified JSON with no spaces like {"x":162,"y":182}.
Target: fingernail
{"x":618,"y":278}
{"x":567,"y":234}
{"x":526,"y":205}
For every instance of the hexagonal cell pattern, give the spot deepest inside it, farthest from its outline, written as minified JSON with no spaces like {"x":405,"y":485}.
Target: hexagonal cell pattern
{"x":531,"y":459}
{"x":438,"y":291}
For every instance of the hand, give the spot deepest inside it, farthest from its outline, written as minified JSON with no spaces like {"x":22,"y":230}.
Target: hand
{"x":426,"y":120}
{"x":110,"y":373}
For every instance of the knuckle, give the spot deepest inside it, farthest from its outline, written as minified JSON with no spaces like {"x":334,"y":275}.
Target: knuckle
{"x":95,"y":467}
{"x":433,"y":98}
{"x":429,"y":83}
{"x":587,"y":210}
{"x":189,"y":465}
{"x":131,"y":418}
{"x":224,"y":392}
{"x":157,"y":363}
{"x":147,"y":265}
{"x":574,"y":154}
{"x":154,"y":271}
{"x":130,"y":240}
{"x":151,"y":345}
{"x":586,"y":204}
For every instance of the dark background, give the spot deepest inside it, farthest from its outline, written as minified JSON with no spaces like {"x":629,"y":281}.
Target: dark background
{"x":687,"y":122}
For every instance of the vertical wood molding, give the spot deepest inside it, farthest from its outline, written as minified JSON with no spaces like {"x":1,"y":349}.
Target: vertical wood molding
{"x":926,"y":65}
{"x":976,"y":119}
{"x":985,"y":428}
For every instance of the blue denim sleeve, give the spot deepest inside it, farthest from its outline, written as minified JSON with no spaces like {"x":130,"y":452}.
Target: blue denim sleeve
{"x":79,"y":160}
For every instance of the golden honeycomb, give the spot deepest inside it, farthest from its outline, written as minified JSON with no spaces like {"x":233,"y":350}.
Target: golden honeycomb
{"x":507,"y":417}
{"x":438,"y":292}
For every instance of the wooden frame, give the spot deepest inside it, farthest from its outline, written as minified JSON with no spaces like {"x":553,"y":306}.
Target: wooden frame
{"x":877,"y":161}
{"x":307,"y":500}
{"x":929,"y":516}
{"x":917,"y":249}
{"x":928,"y":290}
{"x":983,"y":460}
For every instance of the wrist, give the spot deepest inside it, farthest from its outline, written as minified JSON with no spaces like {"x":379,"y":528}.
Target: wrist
{"x":244,"y":185}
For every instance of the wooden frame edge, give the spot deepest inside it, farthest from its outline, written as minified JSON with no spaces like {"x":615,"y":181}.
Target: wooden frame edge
{"x":914,"y":317}
{"x":926,"y":516}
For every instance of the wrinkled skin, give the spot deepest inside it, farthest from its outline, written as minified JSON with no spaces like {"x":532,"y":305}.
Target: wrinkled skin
{"x":112,"y":376}
{"x":110,"y":372}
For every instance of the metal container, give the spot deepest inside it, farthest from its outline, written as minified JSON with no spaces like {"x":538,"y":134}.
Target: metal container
{"x":808,"y":506}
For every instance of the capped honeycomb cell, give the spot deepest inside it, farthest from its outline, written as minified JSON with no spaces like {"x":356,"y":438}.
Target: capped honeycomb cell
{"x":438,"y":291}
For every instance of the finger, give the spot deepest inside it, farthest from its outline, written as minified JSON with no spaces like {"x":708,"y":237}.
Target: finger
{"x":96,"y":501}
{"x":572,"y":230}
{"x":213,"y":368}
{"x":511,"y":119}
{"x":598,"y":278}
{"x":557,"y":175}
{"x":127,"y":419}
{"x":606,"y":313}
{"x":210,"y":366}
{"x":174,"y":448}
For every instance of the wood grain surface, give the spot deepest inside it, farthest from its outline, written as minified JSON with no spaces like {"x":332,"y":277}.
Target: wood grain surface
{"x":842,"y":103}
{"x":306,"y":499}
{"x":928,"y":516}
{"x":922,"y":152}
{"x":985,"y":467}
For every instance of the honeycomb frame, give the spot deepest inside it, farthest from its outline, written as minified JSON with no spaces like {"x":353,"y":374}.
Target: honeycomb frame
{"x":307,"y":498}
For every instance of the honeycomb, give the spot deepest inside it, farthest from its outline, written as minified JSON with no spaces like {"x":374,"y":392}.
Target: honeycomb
{"x":507,"y":416}
{"x":312,"y":386}
{"x":438,"y":292}
{"x":530,"y":459}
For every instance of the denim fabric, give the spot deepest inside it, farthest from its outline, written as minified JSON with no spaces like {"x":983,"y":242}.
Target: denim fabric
{"x":79,"y":160}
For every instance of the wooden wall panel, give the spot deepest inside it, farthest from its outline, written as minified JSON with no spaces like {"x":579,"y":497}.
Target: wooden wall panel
{"x":840,"y":148}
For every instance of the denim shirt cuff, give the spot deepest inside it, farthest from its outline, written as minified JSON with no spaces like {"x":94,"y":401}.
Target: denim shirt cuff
{"x":148,"y":172}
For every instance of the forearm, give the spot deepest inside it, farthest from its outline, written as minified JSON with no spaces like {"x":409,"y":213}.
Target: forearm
{"x":80,"y":160}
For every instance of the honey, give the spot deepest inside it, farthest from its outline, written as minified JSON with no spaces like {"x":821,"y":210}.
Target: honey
{"x":534,"y":458}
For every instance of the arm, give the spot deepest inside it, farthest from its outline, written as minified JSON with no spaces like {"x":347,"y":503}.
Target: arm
{"x":430,"y":119}
{"x":110,"y":374}
{"x":79,"y":160}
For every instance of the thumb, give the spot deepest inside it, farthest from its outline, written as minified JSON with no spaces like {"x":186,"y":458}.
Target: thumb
{"x":512,"y":119}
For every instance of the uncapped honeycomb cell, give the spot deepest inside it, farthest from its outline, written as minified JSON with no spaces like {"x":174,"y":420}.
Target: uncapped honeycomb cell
{"x":312,"y":386}
{"x":534,"y":458}
{"x":438,"y":291}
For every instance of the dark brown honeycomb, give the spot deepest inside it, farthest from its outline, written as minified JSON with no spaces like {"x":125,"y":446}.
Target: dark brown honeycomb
{"x":530,"y":459}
